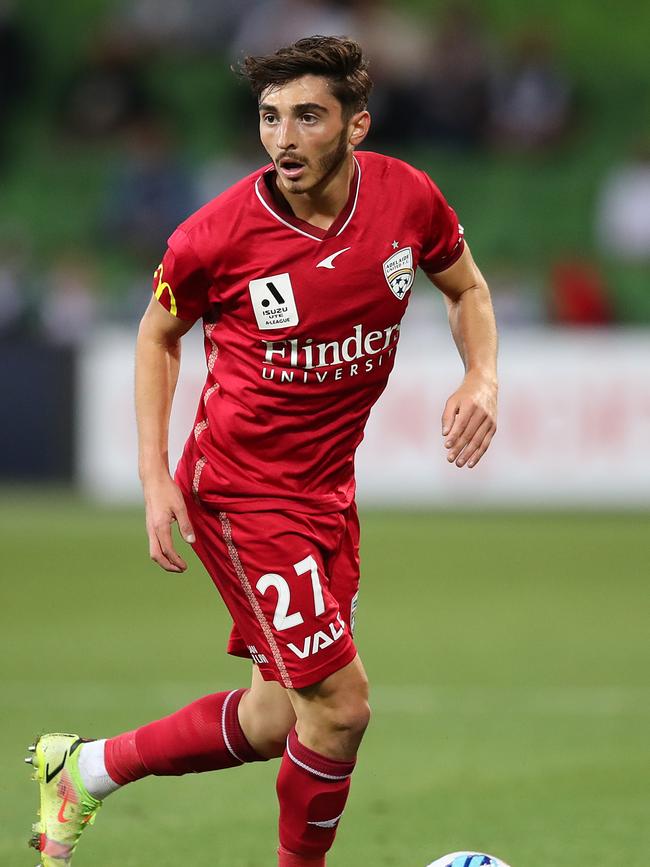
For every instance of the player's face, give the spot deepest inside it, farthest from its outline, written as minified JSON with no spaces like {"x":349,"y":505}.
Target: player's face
{"x":305,"y":133}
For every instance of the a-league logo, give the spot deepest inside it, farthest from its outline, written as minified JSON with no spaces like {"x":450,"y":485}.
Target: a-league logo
{"x":399,"y":272}
{"x":273,"y":302}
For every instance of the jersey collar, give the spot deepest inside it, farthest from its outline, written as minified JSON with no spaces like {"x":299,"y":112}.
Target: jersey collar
{"x":288,"y":218}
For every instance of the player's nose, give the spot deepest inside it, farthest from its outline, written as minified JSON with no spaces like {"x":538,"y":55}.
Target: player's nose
{"x":285,"y":137}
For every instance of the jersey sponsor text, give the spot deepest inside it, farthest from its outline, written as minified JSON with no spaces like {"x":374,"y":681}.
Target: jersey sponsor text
{"x":360,"y":351}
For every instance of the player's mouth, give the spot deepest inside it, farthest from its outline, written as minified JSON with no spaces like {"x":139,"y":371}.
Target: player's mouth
{"x":290,"y":168}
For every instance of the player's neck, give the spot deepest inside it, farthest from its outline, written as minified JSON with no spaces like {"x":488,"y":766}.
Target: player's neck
{"x":321,"y":206}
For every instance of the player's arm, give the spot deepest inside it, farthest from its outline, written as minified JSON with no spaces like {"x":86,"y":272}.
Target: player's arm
{"x":157,"y":363}
{"x":469,"y":417}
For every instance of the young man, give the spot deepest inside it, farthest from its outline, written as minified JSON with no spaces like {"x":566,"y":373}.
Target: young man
{"x":301,"y":274}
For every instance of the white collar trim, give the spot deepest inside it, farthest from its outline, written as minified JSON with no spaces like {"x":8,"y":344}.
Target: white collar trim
{"x":300,"y":231}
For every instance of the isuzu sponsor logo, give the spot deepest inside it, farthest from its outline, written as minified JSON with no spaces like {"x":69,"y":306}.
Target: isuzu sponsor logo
{"x":273,"y":302}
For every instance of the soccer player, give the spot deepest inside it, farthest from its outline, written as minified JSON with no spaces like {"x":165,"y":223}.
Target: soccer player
{"x":301,"y":274}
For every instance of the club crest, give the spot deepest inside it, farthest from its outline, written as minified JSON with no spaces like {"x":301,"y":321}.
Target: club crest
{"x":399,"y":273}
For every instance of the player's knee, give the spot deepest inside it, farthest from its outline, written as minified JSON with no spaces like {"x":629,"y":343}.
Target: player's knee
{"x":336,"y":717}
{"x":346,"y":707}
{"x":337,"y":728}
{"x":350,"y":719}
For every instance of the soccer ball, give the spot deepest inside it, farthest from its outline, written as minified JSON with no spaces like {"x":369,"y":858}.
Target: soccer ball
{"x":468,"y":859}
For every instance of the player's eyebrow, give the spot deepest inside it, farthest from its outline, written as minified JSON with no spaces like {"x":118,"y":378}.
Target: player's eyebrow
{"x":303,"y":107}
{"x":299,"y":108}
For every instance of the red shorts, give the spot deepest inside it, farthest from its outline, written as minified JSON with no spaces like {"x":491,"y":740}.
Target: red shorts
{"x":290,"y":582}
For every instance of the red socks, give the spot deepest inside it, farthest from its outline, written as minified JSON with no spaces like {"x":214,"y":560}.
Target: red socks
{"x":290,"y":859}
{"x":312,"y":791}
{"x":204,"y":736}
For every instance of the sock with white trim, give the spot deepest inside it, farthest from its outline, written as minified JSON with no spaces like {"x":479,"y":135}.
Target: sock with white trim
{"x":204,"y":736}
{"x":312,"y":791}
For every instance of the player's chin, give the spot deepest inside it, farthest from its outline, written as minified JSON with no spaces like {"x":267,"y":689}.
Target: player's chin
{"x":304,"y":184}
{"x":296,"y":188}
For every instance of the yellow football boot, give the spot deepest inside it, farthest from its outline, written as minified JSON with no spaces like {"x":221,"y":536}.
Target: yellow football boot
{"x":65,"y":805}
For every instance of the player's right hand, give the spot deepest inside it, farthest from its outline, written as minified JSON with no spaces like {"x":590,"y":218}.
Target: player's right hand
{"x":164,"y":505}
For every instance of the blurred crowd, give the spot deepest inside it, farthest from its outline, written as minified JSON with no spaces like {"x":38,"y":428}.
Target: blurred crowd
{"x":441,"y":80}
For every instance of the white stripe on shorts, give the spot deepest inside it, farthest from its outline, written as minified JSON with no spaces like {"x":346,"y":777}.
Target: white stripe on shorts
{"x":255,"y":605}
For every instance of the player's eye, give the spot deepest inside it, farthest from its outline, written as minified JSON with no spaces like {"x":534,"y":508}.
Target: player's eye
{"x":309,"y":118}
{"x":269,"y":118}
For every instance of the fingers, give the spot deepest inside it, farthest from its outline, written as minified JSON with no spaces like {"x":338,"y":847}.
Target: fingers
{"x":478,"y":445}
{"x":156,"y":554}
{"x":470,"y":435}
{"x":165,"y":505}
{"x":449,"y":415}
{"x":457,"y":432}
{"x":476,"y":456}
{"x":161,"y":547}
{"x":184,"y":524}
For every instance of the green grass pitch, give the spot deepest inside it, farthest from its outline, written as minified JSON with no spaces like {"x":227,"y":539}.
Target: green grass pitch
{"x":509,"y":659}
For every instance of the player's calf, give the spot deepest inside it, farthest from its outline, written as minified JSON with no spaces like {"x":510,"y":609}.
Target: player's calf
{"x":320,"y":755}
{"x":312,"y":790}
{"x":266,"y":716}
{"x":204,"y":736}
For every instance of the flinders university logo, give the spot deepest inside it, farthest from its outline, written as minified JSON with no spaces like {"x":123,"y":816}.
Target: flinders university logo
{"x":399,"y":273}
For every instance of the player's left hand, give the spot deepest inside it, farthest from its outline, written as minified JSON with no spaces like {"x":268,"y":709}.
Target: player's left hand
{"x":469,"y":420}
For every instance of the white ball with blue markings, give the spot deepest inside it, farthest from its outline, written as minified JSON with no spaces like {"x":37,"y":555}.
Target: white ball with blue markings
{"x":468,"y":859}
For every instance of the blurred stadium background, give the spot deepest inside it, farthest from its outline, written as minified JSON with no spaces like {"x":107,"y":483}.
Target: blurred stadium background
{"x":511,"y":698}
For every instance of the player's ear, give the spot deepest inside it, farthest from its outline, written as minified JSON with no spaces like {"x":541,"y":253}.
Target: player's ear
{"x":359,"y":126}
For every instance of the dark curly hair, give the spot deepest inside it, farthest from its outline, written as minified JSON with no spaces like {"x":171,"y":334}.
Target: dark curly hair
{"x":336,"y":58}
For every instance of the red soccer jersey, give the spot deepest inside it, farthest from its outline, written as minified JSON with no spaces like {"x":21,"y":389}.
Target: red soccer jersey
{"x":301,"y":328}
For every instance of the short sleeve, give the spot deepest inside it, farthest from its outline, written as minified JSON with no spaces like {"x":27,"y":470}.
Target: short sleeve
{"x":443,"y":242}
{"x":180,"y":283}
